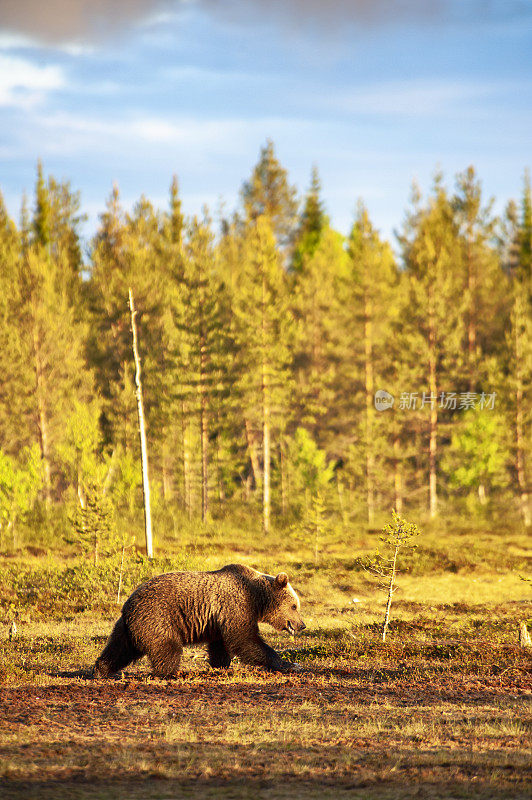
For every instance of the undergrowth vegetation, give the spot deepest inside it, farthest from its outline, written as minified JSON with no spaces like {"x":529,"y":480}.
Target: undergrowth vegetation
{"x":447,"y":693}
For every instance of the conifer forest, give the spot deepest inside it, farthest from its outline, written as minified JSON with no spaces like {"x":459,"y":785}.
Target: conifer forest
{"x":289,"y":372}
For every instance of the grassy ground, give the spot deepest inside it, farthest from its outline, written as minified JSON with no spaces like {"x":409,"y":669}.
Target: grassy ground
{"x":442,"y":710}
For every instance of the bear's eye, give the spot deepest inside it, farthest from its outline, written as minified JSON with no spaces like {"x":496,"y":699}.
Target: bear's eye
{"x":294,"y":607}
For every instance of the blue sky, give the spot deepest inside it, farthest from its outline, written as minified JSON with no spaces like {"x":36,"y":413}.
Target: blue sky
{"x":375,"y":94}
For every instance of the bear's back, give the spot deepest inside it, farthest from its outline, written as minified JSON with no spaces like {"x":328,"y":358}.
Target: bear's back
{"x":194,"y":606}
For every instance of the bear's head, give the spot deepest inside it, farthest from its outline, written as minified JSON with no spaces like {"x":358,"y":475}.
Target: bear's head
{"x":282,"y":612}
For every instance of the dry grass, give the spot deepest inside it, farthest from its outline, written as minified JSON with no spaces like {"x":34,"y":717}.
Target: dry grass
{"x":441,"y":711}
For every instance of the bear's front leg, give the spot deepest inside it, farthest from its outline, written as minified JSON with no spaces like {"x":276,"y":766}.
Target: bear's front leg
{"x":251,"y":648}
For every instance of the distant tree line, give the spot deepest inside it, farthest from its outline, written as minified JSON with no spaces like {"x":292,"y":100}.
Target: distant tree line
{"x":263,"y":344}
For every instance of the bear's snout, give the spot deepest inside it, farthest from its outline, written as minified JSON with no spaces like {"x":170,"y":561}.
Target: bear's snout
{"x":294,"y":626}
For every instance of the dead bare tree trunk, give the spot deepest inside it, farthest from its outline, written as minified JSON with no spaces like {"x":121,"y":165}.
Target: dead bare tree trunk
{"x":253,"y":453}
{"x":43,"y":421}
{"x":204,"y":435}
{"x":519,"y":417}
{"x":391,"y":590}
{"x":524,"y":637}
{"x":471,"y":321}
{"x":142,"y":432}
{"x":282,"y":463}
{"x":369,"y":389}
{"x":266,"y":420}
{"x":266,"y":501}
{"x":433,"y":435}
{"x":397,"y":476}
{"x":187,"y":493}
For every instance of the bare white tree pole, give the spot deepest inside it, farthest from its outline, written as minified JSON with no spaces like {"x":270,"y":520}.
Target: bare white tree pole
{"x":142,"y":432}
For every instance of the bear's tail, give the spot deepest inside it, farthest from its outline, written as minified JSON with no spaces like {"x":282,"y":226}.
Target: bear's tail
{"x":117,"y":653}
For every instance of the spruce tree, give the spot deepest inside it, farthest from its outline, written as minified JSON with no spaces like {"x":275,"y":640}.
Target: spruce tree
{"x":317,"y":305}
{"x":15,"y":365}
{"x":202,"y":349}
{"x":519,"y":341}
{"x":485,"y":295}
{"x":434,"y":316}
{"x":268,"y":193}
{"x":373,"y":278}
{"x":312,"y":223}
{"x":263,"y":329}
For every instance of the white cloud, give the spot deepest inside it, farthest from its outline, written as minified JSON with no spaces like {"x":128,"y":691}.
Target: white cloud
{"x":16,"y":41}
{"x":24,"y":84}
{"x":75,"y":49}
{"x":65,"y":132}
{"x":413,"y":98}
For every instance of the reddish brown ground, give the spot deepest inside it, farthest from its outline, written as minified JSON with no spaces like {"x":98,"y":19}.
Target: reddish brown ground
{"x":247,"y":733}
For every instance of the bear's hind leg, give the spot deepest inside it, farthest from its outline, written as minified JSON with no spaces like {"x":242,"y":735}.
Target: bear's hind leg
{"x":219,"y":658}
{"x":117,"y":653}
{"x":165,"y":658}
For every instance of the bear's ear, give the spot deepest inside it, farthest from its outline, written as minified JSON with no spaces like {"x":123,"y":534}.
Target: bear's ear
{"x":281,"y":580}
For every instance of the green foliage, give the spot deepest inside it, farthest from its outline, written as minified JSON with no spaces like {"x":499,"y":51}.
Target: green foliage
{"x":79,"y":450}
{"x":268,"y":193}
{"x":313,"y":525}
{"x":312,"y":223}
{"x":396,"y":535}
{"x":19,"y":487}
{"x":478,"y":457}
{"x":53,"y":590}
{"x":94,"y":524}
{"x":261,"y":347}
{"x":124,"y":480}
{"x":311,"y":475}
{"x":399,"y":532}
{"x":311,"y":471}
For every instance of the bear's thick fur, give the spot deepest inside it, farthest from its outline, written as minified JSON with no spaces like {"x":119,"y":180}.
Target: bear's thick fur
{"x":220,"y":609}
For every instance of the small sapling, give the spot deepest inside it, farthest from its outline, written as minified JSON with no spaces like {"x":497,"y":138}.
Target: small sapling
{"x":396,"y":535}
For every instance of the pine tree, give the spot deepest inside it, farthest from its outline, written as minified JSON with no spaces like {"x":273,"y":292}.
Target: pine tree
{"x":312,"y":223}
{"x":202,"y":346}
{"x":128,"y":252}
{"x":268,"y":193}
{"x":317,"y":305}
{"x":434,"y":315}
{"x":55,"y":341}
{"x":374,"y":275}
{"x":242,"y":421}
{"x":42,"y":216}
{"x":263,"y":329}
{"x":520,"y":341}
{"x":174,"y":223}
{"x":55,"y":229}
{"x":173,"y":420}
{"x":16,"y":382}
{"x":47,"y":335}
{"x":485,"y":299}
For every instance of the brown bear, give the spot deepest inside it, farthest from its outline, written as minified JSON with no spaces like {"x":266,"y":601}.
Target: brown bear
{"x":219,"y":608}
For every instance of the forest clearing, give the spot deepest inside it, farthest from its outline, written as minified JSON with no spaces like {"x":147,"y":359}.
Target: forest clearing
{"x":441,"y":710}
